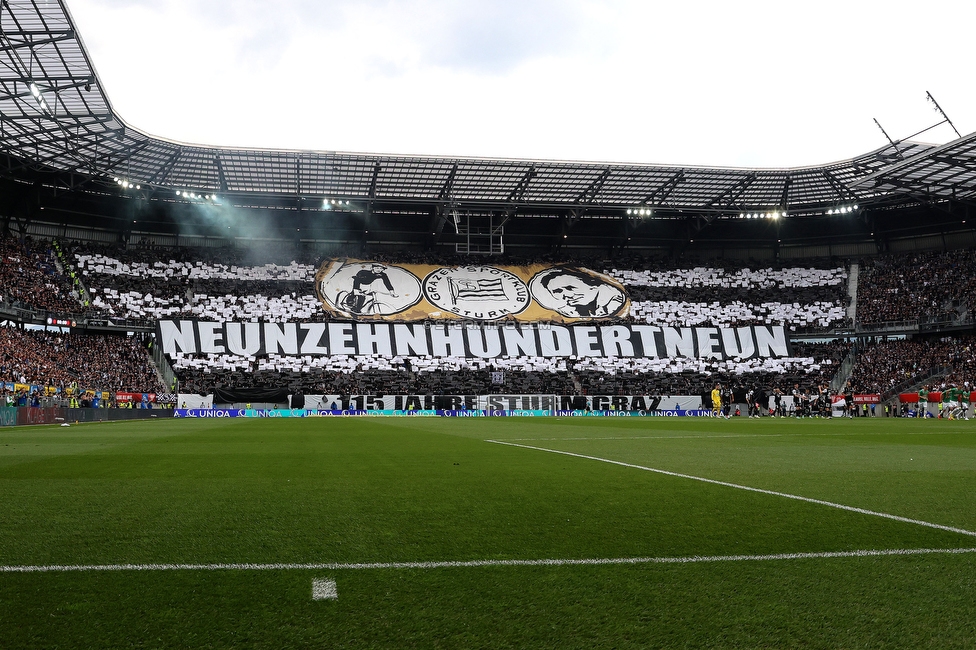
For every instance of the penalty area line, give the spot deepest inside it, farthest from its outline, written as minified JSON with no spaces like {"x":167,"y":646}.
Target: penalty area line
{"x":785,"y":495}
{"x":326,"y":588}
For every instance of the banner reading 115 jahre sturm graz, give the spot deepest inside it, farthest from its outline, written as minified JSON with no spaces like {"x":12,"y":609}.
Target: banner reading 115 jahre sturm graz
{"x":367,"y":290}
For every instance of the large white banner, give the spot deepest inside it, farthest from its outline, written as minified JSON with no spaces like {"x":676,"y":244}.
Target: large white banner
{"x":468,"y":340}
{"x":493,"y":402}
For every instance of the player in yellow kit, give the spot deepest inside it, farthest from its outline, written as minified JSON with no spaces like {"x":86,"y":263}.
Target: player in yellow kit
{"x":716,"y":401}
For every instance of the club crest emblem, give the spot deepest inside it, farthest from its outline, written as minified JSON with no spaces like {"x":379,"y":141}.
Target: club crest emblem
{"x":477,"y":292}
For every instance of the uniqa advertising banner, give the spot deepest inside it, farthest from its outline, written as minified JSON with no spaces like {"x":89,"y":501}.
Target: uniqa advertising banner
{"x":370,"y":290}
{"x":286,"y":413}
{"x":470,"y":340}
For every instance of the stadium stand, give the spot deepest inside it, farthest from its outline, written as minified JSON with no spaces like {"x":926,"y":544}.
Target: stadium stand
{"x":885,"y":366}
{"x":146,"y":283}
{"x":59,"y":360}
{"x":230,"y":284}
{"x":30,"y":278}
{"x":134,"y":286}
{"x":812,"y":365}
{"x":931,"y":286}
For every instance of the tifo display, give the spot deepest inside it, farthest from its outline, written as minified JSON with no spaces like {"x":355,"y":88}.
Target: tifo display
{"x":221,"y":319}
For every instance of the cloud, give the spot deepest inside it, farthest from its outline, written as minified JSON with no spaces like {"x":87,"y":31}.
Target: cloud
{"x":751,"y":83}
{"x":490,"y":36}
{"x":495,"y":37}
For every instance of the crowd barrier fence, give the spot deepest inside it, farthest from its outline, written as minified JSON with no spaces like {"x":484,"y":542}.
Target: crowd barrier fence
{"x":20,"y":415}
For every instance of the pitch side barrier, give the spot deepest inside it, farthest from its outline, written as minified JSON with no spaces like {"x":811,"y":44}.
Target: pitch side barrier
{"x":468,"y":403}
{"x":475,"y":413}
{"x":20,"y":415}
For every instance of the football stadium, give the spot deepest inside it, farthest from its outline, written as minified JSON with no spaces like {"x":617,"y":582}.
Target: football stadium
{"x":292,"y":399}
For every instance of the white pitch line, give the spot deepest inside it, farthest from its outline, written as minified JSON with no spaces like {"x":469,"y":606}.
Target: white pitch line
{"x":734,"y":435}
{"x":465,"y":564}
{"x":324,"y":589}
{"x":840,"y":506}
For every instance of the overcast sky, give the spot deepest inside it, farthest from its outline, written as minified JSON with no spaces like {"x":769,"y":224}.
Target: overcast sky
{"x":765,"y":84}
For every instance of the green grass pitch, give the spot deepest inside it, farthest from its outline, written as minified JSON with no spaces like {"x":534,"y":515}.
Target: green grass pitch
{"x":379,"y":490}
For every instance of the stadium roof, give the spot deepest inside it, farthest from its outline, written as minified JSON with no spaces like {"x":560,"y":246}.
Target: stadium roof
{"x":56,"y":121}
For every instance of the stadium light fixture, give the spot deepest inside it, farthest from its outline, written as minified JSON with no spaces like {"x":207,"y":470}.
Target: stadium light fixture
{"x":126,"y":184}
{"x":843,"y":209}
{"x":330,"y":204}
{"x":39,"y":97}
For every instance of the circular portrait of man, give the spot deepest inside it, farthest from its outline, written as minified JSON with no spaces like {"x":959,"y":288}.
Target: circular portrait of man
{"x":367,"y":288}
{"x":577,"y":293}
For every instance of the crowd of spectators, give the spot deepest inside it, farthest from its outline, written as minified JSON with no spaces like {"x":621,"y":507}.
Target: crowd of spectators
{"x":60,"y":360}
{"x":219,"y":284}
{"x":886,"y":365}
{"x":927,"y":286}
{"x":810,"y":366}
{"x":30,"y":279}
{"x":145,"y":282}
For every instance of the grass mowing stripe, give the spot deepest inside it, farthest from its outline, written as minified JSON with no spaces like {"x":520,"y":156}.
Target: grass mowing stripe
{"x":463,"y":564}
{"x":785,"y":495}
{"x":744,"y":435}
